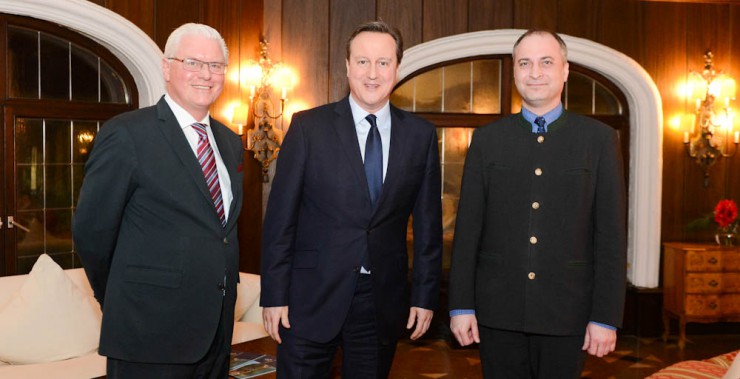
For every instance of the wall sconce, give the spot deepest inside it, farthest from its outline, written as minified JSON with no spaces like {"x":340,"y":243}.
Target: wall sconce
{"x":261,"y":78}
{"x":707,"y":140}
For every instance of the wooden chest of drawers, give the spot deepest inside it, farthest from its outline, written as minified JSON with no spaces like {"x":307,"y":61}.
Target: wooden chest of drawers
{"x":701,"y":283}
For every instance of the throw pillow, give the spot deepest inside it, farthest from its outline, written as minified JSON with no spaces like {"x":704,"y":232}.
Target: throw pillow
{"x":248,"y":290}
{"x":48,"y":318}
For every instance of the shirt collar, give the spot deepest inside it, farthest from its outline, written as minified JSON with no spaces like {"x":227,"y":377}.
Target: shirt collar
{"x":358,"y":113}
{"x":550,"y":116}
{"x":183,"y":117}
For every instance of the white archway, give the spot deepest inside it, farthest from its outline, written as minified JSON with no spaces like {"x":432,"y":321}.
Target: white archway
{"x":125,"y":40}
{"x":646,"y":127}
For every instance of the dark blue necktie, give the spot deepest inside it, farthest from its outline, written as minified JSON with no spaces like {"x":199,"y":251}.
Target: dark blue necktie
{"x":373,"y":160}
{"x":540,"y":121}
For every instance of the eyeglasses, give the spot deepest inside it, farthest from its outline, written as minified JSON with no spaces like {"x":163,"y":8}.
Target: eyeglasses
{"x":191,"y":64}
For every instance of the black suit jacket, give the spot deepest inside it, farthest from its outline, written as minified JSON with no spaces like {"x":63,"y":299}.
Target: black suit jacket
{"x":319,"y":223}
{"x":540,"y":240}
{"x":150,"y":240}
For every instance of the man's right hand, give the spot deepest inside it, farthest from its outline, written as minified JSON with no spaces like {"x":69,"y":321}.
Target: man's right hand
{"x":465,"y":329}
{"x":272,"y":317}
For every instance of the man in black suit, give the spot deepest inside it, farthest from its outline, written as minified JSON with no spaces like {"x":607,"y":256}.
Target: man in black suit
{"x":538,"y":261}
{"x":334,"y":259}
{"x":155,"y":226}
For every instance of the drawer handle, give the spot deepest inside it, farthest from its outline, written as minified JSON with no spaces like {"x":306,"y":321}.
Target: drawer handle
{"x":712,"y":305}
{"x":712,"y":260}
{"x":713,"y":283}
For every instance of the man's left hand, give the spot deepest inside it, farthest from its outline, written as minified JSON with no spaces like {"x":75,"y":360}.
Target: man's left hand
{"x":422,"y":317}
{"x":599,"y":341}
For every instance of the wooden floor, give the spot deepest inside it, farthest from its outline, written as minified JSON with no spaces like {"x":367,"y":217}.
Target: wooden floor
{"x":634,"y":357}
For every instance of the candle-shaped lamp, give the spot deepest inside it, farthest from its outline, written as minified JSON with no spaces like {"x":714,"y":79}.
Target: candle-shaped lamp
{"x":239,"y":118}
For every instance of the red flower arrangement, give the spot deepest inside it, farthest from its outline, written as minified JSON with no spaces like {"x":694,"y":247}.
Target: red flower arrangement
{"x":725,"y":215}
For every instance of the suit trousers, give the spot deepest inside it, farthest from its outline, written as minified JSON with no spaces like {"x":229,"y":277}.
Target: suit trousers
{"x":362,"y":355}
{"x":516,"y":355}
{"x":214,"y":365}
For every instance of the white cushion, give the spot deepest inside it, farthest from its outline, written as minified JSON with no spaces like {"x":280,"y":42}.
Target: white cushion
{"x":48,"y":318}
{"x":734,"y":370}
{"x":247,"y":292}
{"x":247,"y":331}
{"x":88,"y":366}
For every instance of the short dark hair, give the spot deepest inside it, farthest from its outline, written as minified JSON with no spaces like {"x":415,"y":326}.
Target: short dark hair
{"x":379,"y":26}
{"x":530,"y":32}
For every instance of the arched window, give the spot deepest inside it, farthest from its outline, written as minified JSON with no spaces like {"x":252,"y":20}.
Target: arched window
{"x":58,"y":87}
{"x":462,"y":95}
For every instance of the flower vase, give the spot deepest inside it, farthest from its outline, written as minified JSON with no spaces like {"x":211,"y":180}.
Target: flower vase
{"x":725,"y":239}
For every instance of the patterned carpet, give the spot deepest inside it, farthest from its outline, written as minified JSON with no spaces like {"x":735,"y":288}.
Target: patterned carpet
{"x":634,"y":357}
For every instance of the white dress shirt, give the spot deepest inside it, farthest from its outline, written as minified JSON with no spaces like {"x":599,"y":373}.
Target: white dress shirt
{"x":186,"y":120}
{"x":362,"y":126}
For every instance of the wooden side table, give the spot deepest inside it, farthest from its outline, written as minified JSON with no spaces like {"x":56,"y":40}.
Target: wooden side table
{"x":701,"y":283}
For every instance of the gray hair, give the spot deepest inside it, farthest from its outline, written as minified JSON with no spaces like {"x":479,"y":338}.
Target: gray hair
{"x":193,"y":29}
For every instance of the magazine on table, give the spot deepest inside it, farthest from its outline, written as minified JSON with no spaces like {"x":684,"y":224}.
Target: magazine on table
{"x":248,"y":365}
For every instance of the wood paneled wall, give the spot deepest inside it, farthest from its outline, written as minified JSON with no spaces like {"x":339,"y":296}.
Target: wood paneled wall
{"x":240,"y":23}
{"x":667,"y":38}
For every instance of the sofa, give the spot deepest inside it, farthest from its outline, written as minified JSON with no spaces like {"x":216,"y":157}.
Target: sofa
{"x":725,"y":366}
{"x":50,"y":322}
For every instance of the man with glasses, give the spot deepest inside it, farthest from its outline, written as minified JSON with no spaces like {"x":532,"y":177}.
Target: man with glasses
{"x":155,"y":226}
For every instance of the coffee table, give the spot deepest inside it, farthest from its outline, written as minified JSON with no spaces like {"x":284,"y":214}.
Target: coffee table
{"x":264,"y":345}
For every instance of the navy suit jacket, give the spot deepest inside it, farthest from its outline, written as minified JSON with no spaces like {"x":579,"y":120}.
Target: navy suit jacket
{"x":151,"y":242}
{"x":319,"y":223}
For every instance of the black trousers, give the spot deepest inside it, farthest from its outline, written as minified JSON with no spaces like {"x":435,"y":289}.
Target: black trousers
{"x":362,"y":355}
{"x":515,"y":355}
{"x":214,"y":365}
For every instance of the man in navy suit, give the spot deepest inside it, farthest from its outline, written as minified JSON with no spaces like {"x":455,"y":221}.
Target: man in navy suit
{"x":155,"y":226}
{"x":334,"y":259}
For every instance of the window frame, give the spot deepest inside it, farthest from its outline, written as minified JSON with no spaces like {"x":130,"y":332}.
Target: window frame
{"x":64,"y":109}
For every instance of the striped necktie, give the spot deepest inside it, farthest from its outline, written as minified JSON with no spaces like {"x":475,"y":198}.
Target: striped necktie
{"x":208,"y":163}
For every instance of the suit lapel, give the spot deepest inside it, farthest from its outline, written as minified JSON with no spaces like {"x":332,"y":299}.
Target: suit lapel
{"x":344,"y":125}
{"x":394,"y":157}
{"x":176,"y":139}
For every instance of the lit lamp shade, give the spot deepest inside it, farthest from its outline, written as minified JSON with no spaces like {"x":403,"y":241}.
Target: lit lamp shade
{"x":239,"y":118}
{"x":697,"y":86}
{"x":283,"y":78}
{"x":727,"y":91}
{"x":251,"y":74}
